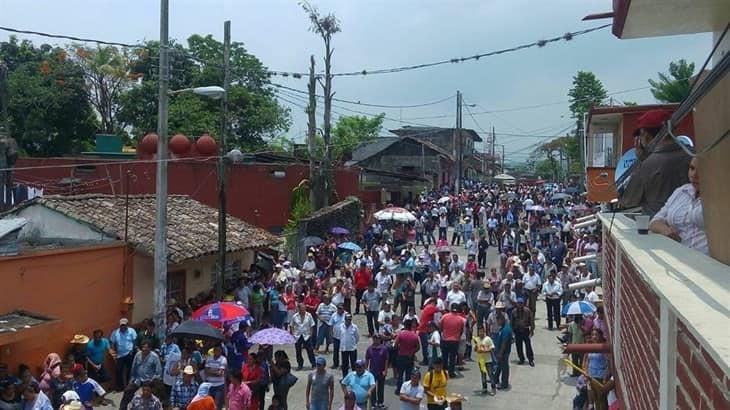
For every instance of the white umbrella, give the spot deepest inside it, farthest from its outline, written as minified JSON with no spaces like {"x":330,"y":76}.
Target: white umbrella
{"x":504,"y":177}
{"x":444,"y":199}
{"x":395,"y":214}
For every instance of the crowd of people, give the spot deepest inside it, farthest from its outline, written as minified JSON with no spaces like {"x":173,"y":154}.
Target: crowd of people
{"x":418,"y":299}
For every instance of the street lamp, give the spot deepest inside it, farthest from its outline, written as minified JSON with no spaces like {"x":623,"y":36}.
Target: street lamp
{"x":213,"y":91}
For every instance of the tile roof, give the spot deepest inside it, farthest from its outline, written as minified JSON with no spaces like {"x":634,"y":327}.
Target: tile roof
{"x":192,"y":227}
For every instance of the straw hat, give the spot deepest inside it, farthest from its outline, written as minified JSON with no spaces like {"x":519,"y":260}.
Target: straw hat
{"x":80,"y":339}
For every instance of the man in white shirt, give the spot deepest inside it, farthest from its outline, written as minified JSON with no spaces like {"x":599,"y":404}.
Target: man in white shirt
{"x":533,"y":285}
{"x":309,"y":266}
{"x":336,"y":322}
{"x":386,"y":313}
{"x":215,"y":374}
{"x":349,"y":337}
{"x":411,"y":392}
{"x":455,"y":295}
{"x":552,"y":289}
{"x":591,"y":296}
{"x":301,"y":328}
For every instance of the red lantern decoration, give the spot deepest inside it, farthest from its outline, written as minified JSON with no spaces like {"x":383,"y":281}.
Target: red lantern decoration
{"x":148,"y":145}
{"x":206,"y":145}
{"x":179,"y":144}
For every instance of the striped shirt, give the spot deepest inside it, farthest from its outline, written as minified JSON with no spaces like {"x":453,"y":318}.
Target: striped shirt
{"x":683,"y":210}
{"x":325,"y":312}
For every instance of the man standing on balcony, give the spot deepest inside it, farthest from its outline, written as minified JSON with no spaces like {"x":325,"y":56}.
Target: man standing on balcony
{"x":552,"y":289}
{"x":660,"y":171}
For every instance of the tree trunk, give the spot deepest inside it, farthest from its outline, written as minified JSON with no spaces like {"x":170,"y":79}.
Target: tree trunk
{"x":314,"y":177}
{"x":327,"y":181}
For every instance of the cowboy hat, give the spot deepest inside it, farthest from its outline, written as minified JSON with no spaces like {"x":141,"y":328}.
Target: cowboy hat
{"x":80,"y":339}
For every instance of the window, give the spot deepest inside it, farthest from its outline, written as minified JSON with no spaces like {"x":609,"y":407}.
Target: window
{"x":176,"y":285}
{"x":232,"y":275}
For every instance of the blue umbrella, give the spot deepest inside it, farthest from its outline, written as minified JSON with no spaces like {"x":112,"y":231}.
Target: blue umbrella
{"x":578,"y":308}
{"x":350,"y":246}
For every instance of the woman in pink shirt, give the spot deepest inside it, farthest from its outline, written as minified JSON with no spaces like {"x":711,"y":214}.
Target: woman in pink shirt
{"x":239,"y":394}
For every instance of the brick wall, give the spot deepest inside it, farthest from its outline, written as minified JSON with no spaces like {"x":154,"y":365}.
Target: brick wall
{"x":701,"y":384}
{"x":700,"y":381}
{"x":638,"y":339}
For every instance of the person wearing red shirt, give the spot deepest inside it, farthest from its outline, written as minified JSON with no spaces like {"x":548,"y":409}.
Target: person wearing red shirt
{"x":428,"y":315}
{"x":311,"y":303}
{"x":452,"y":325}
{"x":362,"y":279}
{"x":406,"y":345}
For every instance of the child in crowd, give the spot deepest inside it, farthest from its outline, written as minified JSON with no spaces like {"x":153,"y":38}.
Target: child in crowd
{"x":485,"y":347}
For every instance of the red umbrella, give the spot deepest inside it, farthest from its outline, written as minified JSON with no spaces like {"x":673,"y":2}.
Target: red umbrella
{"x":222,"y":313}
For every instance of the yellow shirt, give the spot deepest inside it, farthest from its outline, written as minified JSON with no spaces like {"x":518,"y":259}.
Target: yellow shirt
{"x":435,"y":382}
{"x":483,"y":344}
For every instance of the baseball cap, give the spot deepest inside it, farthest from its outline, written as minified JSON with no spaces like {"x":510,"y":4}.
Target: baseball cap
{"x":348,"y":316}
{"x":123,"y":321}
{"x":188,"y":370}
{"x":360,"y":363}
{"x":321,"y":361}
{"x":520,"y":300}
{"x":77,"y":369}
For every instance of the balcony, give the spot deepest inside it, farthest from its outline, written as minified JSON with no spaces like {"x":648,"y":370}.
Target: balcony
{"x":666,"y":306}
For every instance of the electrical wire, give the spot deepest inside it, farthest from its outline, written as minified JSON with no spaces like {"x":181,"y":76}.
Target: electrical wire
{"x":368,"y":104}
{"x":540,"y":43}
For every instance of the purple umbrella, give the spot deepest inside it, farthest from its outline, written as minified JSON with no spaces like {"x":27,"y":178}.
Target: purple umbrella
{"x":272,"y":336}
{"x":338,"y":230}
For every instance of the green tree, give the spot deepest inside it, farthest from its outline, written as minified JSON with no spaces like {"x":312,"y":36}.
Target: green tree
{"x":106,"y":70}
{"x":281,"y":144}
{"x":587,"y":91}
{"x":352,"y":130}
{"x":253,"y":112}
{"x":48,"y":109}
{"x":675,"y":86}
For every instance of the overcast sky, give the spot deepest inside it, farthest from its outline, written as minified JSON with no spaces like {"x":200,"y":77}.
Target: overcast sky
{"x":389,"y":33}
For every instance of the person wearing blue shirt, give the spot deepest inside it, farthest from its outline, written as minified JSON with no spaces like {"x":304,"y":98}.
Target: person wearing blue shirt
{"x":503,"y":347}
{"x":122,"y":341}
{"x":96,"y":354}
{"x":360,"y":382}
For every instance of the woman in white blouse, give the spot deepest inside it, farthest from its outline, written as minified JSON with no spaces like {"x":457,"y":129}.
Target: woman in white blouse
{"x":681,"y":217}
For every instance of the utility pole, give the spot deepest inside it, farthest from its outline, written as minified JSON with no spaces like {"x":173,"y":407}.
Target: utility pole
{"x":311,"y":132}
{"x":160,"y":261}
{"x":458,"y":143}
{"x":222,"y":213}
{"x":494,"y":160}
{"x":503,"y":158}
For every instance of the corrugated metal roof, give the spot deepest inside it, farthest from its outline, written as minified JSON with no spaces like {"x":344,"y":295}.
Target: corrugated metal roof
{"x":10,"y":225}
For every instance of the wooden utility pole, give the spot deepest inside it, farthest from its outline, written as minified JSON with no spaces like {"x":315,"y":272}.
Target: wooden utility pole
{"x":311,"y":133}
{"x":494,"y":159}
{"x":222,"y":212}
{"x":160,"y":258}
{"x":458,"y":141}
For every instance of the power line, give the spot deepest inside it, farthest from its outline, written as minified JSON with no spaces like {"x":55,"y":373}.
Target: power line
{"x":540,"y":43}
{"x":528,"y":107}
{"x":368,"y":104}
